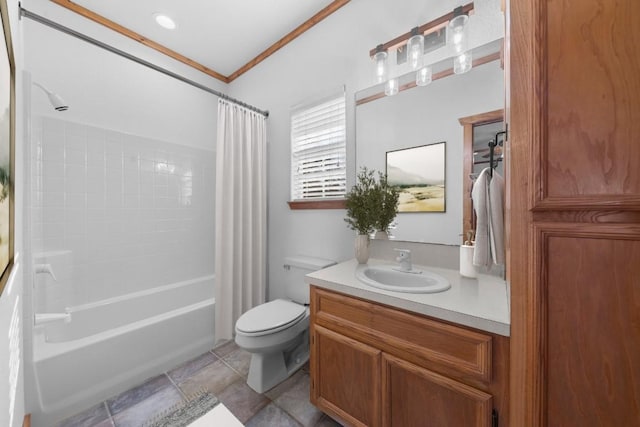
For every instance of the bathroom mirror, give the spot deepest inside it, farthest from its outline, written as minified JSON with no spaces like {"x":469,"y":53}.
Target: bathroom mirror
{"x":422,"y":115}
{"x":478,"y":131}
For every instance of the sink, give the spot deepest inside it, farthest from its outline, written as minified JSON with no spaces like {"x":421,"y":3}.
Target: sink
{"x":388,"y":278}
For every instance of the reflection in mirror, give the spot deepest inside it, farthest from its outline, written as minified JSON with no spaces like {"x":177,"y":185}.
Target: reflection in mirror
{"x":426,"y":115}
{"x":482,"y":134}
{"x":478,"y":130}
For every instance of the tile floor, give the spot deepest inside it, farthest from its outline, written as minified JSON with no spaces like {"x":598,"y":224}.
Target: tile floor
{"x":223,"y":372}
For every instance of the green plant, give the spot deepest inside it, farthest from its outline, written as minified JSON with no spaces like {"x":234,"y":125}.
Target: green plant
{"x":361,"y":202}
{"x":371,"y":204}
{"x":5,"y":183}
{"x":388,"y":204}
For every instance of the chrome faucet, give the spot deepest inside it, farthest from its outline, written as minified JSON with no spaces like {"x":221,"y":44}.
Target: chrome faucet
{"x":404,"y":258}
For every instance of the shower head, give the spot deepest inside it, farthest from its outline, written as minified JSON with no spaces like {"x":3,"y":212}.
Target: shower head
{"x":56,"y":100}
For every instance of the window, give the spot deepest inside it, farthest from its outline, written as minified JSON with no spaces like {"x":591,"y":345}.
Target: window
{"x":318,"y":150}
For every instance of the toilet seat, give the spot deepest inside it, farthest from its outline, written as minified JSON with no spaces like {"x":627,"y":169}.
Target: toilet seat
{"x":270,"y":317}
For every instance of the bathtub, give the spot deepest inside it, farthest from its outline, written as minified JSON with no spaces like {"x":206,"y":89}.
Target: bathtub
{"x":111,"y":345}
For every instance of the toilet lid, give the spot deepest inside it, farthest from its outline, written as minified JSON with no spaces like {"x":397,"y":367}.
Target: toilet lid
{"x":271,"y":315}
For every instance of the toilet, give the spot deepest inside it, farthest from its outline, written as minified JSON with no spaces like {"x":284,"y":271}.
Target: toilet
{"x":276,"y":333}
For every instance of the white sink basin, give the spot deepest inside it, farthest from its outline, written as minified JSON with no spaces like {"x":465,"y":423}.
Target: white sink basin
{"x":388,"y":278}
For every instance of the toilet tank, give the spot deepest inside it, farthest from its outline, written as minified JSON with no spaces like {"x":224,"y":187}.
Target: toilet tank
{"x":297,"y":267}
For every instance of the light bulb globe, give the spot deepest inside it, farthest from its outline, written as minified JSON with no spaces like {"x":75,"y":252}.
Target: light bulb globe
{"x":462,"y":63}
{"x":391,"y":87}
{"x":415,"y":51}
{"x":424,"y":76}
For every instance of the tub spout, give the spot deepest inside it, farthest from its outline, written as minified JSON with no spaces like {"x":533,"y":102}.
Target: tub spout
{"x":41,"y":318}
{"x":45,"y":268}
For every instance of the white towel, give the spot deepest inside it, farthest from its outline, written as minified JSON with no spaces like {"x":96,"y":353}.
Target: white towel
{"x":488,"y":196}
{"x":480,"y":197}
{"x":496,"y":225}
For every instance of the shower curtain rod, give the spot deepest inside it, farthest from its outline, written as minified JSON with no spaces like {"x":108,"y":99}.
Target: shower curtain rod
{"x":42,"y":20}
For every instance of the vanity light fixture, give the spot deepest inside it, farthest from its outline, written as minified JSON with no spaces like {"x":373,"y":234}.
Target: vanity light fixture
{"x":424,"y":76}
{"x":391,"y":87}
{"x":457,"y":38}
{"x":381,"y":66}
{"x":164,"y":21}
{"x":415,"y":49}
{"x":457,"y":31}
{"x":455,"y":23}
{"x":462,"y":63}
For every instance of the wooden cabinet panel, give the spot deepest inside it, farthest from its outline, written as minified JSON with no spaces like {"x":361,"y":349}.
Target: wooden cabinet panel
{"x":593,"y":102}
{"x":365,"y":370}
{"x":444,"y":348}
{"x":418,"y":397}
{"x":593,"y":328}
{"x":574,"y":158}
{"x":345,"y":377}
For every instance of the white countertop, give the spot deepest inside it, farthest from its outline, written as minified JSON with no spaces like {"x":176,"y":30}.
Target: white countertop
{"x":481,"y":303}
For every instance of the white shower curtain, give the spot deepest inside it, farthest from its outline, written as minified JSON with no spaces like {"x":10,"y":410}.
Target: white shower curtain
{"x":241,"y":202}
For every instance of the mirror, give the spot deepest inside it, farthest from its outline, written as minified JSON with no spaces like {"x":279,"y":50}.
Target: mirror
{"x":421,"y":116}
{"x":478,"y":131}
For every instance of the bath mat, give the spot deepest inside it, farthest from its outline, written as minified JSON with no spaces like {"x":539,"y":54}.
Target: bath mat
{"x":219,"y":416}
{"x":187,"y":412}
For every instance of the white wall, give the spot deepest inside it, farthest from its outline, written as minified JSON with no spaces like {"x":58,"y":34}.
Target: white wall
{"x":11,"y":352}
{"x":12,"y":403}
{"x":331,"y":54}
{"x":112,"y":92}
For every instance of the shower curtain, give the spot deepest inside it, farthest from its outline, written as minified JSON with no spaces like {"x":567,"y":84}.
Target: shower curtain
{"x":240,"y":247}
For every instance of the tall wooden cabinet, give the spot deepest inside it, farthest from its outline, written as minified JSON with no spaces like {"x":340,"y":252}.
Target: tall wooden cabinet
{"x":573,"y":211}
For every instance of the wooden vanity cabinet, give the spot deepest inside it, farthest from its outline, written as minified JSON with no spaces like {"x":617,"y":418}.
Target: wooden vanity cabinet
{"x":373,"y":365}
{"x":346,"y":378}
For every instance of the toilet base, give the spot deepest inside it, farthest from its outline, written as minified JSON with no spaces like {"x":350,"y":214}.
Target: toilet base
{"x":267,"y":370}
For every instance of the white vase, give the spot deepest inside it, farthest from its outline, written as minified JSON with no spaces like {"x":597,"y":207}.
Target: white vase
{"x":466,"y":261}
{"x":362,"y":248}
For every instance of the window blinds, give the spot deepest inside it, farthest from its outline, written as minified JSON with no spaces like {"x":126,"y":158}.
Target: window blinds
{"x":318,"y":150}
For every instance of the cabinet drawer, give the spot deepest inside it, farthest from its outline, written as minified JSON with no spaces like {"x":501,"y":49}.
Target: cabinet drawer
{"x":445,"y":348}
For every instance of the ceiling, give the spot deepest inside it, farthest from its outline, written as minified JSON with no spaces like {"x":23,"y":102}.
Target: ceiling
{"x":221,"y":35}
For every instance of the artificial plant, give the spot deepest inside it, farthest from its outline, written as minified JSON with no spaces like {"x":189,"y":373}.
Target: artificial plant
{"x":372,"y":203}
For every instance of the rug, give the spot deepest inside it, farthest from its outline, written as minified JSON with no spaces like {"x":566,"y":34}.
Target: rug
{"x":219,"y":416}
{"x":185,"y":413}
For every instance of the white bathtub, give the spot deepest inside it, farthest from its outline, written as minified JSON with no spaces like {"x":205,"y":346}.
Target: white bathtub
{"x":111,"y":345}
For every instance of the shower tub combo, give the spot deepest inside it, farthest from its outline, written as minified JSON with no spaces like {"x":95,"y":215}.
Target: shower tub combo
{"x":108,"y":346}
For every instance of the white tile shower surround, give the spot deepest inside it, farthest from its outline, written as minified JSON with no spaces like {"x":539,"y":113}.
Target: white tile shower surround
{"x":116,"y":213}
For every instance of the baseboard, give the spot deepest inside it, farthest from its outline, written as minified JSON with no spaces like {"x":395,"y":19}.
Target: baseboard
{"x":27,"y":421}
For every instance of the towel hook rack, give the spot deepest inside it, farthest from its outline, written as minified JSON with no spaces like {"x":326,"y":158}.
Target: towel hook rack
{"x":492,"y":145}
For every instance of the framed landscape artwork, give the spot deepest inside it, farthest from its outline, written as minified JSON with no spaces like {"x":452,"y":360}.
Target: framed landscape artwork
{"x":7,"y":174}
{"x":420,"y":174}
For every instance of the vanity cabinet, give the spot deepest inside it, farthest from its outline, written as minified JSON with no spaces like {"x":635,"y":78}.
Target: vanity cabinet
{"x":374,"y":365}
{"x":347,"y":383}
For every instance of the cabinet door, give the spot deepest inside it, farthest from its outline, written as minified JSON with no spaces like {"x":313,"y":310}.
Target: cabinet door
{"x":345,"y":378}
{"x":415,"y":396}
{"x":574,"y":212}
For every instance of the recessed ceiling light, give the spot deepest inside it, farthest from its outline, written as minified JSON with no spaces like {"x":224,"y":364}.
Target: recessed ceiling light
{"x":164,"y":21}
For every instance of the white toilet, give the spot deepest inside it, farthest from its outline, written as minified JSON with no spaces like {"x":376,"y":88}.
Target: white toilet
{"x":276,"y":333}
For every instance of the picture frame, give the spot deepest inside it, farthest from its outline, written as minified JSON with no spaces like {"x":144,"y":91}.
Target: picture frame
{"x":7,"y":150}
{"x":420,"y":172}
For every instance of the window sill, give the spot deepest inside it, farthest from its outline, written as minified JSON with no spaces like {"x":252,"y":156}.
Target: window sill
{"x":318,"y":204}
